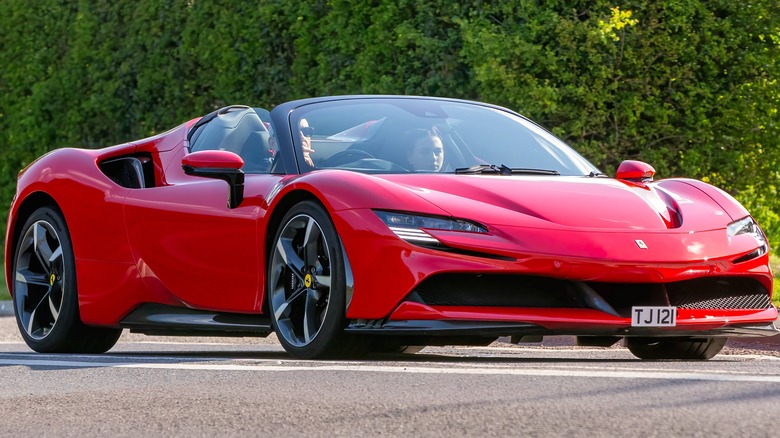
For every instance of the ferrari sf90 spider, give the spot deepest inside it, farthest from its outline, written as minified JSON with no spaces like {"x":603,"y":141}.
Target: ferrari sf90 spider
{"x":357,"y":223}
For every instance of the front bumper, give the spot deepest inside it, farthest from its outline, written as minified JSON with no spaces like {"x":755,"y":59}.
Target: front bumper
{"x":414,"y":319}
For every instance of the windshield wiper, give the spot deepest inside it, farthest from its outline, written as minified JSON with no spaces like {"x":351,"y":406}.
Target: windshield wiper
{"x":597,"y":174}
{"x":482,"y":169}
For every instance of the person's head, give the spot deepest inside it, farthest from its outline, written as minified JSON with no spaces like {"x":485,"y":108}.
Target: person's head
{"x":426,"y":151}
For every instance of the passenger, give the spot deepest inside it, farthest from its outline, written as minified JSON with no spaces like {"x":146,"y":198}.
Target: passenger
{"x":426,"y":151}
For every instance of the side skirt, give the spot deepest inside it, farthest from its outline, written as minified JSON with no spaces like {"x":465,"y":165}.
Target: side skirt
{"x":162,"y":320}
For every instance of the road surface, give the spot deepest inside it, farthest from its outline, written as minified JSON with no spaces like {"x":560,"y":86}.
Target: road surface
{"x":157,"y":386}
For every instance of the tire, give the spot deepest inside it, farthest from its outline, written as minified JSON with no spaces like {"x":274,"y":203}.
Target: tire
{"x":45,"y":292}
{"x":675,"y":348}
{"x":306,"y":286}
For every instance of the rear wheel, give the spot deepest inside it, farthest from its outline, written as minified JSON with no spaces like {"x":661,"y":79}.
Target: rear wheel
{"x":675,"y":348}
{"x":307,"y":287}
{"x":44,"y":290}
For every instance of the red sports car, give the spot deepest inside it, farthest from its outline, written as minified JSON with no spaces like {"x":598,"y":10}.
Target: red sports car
{"x":357,"y":223}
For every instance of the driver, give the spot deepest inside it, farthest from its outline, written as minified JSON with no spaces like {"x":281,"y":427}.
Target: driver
{"x":426,"y":151}
{"x":306,"y":133}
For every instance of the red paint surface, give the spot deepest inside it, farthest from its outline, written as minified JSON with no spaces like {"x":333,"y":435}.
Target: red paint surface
{"x":179,"y":244}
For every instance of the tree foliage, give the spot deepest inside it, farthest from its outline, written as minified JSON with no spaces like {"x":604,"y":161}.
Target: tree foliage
{"x":689,"y":86}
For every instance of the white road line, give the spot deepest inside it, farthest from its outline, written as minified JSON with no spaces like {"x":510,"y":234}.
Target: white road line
{"x":407,"y":369}
{"x":141,"y":360}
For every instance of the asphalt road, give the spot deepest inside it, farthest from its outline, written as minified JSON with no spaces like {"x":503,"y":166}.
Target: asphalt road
{"x":149,"y":386}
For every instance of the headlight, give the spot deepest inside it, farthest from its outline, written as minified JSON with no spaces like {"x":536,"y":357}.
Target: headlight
{"x":748,"y":226}
{"x":745,"y":226}
{"x":410,"y":227}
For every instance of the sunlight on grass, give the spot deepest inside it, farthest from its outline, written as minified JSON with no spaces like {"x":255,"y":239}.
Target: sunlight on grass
{"x":774,"y":261}
{"x":3,"y":289}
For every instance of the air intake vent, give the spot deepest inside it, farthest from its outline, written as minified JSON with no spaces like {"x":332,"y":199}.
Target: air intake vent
{"x":534,"y":291}
{"x":719,"y":293}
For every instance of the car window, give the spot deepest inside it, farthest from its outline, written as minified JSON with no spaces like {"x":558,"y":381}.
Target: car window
{"x":240,"y":130}
{"x":386,"y":135}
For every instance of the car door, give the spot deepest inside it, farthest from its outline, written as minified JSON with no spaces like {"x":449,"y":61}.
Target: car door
{"x":189,"y":245}
{"x":186,"y":242}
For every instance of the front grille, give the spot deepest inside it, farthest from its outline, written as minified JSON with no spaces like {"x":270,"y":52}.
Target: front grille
{"x":534,"y":291}
{"x":719,"y":293}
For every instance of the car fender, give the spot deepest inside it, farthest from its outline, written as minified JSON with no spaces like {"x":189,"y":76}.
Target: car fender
{"x":92,"y":207}
{"x":342,"y":190}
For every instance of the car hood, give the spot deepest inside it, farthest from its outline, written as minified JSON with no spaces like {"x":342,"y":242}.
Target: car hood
{"x":567,"y":202}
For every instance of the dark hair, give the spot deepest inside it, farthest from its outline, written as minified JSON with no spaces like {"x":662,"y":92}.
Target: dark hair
{"x":412,"y":137}
{"x":411,"y":140}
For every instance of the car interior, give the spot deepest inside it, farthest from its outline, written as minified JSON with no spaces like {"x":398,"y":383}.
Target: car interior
{"x":240,"y":130}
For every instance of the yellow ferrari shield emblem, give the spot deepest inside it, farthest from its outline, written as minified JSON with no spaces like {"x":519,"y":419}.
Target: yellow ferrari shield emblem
{"x":52,"y":277}
{"x":307,"y":280}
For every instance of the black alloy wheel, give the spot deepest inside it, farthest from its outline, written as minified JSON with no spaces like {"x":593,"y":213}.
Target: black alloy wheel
{"x":44,"y":290}
{"x":306,"y":286}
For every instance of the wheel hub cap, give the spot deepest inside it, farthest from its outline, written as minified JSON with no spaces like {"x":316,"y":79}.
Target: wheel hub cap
{"x":39,"y":286}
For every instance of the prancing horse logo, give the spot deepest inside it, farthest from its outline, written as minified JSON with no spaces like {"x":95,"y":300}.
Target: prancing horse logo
{"x":640,"y":244}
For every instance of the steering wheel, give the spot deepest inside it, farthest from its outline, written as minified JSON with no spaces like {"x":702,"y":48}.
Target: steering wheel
{"x":346,"y":156}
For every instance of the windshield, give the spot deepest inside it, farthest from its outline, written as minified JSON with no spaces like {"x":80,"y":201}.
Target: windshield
{"x":386,"y":135}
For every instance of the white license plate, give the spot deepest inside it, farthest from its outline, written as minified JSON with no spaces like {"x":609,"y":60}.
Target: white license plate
{"x":653,"y":316}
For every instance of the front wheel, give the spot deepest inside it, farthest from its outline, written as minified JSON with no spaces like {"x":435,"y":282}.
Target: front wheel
{"x":44,"y":290}
{"x":307,"y":286}
{"x":675,"y":348}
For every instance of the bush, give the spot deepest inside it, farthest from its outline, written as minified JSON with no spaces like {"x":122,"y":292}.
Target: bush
{"x":689,"y":86}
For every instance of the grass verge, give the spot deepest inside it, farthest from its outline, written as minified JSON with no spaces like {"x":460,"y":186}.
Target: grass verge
{"x":774,"y":261}
{"x":3,"y":289}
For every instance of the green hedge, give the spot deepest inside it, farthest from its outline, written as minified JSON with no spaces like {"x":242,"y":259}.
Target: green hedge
{"x":689,"y":86}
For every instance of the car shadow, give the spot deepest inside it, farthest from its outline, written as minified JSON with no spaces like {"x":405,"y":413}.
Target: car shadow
{"x":371,"y":358}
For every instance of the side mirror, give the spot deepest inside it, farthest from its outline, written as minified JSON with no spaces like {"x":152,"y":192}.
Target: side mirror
{"x":222,"y":165}
{"x":635,"y":171}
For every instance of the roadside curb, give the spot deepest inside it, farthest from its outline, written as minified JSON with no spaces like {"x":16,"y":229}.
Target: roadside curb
{"x":6,"y":308}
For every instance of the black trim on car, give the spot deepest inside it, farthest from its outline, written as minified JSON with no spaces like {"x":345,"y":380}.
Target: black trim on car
{"x":165,"y":320}
{"x":410,"y":330}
